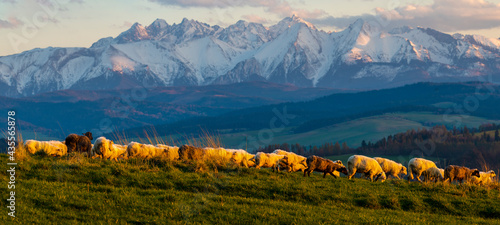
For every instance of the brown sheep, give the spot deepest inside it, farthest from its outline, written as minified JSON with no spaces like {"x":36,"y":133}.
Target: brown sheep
{"x":187,"y":152}
{"x":315,"y":163}
{"x":79,"y":143}
{"x":460,"y":173}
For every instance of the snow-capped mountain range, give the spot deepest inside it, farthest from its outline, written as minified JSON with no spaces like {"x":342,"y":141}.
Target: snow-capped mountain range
{"x":362,"y":56}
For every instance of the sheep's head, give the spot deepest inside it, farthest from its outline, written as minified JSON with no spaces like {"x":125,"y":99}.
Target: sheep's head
{"x":343,"y":170}
{"x":283,"y":162}
{"x":89,"y":135}
{"x":475,"y":172}
{"x":381,"y":176}
{"x":403,"y":170}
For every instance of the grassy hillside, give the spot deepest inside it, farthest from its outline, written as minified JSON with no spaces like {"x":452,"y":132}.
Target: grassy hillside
{"x":352,"y":132}
{"x":52,"y":190}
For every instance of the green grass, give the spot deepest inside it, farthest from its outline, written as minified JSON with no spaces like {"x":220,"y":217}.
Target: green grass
{"x":353,"y":132}
{"x":80,"y":190}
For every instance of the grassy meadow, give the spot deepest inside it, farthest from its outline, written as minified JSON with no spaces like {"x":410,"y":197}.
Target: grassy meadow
{"x":75,"y":189}
{"x":352,"y":132}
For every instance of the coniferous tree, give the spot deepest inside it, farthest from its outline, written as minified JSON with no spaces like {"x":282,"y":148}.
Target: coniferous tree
{"x":336,"y":148}
{"x":345,"y":147}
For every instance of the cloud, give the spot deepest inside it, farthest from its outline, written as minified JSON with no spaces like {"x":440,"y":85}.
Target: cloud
{"x":11,"y":22}
{"x":443,"y":15}
{"x":277,"y":7}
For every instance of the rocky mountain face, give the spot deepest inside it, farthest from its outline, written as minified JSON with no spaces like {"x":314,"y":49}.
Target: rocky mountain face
{"x":192,"y":53}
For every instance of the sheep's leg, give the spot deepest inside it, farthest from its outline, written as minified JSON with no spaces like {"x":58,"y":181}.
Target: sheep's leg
{"x":410,"y":174}
{"x":351,"y":173}
{"x":324,"y":174}
{"x":418,"y":177}
{"x":333,"y":175}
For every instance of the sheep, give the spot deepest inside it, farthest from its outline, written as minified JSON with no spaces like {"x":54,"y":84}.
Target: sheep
{"x":171,"y":152}
{"x":441,"y":171}
{"x":315,"y":163}
{"x":417,"y":166}
{"x":145,"y":151}
{"x":79,"y":143}
{"x":241,"y":157}
{"x":390,"y":167}
{"x":459,"y":173}
{"x":484,"y":178}
{"x":268,"y":160}
{"x":292,"y":161}
{"x":433,"y":173}
{"x":106,"y":149}
{"x":51,"y":148}
{"x":187,"y":152}
{"x":219,"y":154}
{"x":365,"y":165}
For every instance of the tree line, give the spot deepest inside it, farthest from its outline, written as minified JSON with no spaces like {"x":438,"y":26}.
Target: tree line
{"x":473,"y":147}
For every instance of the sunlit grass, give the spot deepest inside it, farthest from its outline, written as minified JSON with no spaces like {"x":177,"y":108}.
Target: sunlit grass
{"x":83,"y":190}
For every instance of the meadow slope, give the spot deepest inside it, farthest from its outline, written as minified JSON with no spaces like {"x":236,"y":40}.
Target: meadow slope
{"x":80,"y":190}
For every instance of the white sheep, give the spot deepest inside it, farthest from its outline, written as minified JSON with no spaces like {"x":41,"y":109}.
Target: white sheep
{"x":145,"y":151}
{"x":390,"y":167}
{"x":366,"y":165}
{"x":433,"y":173}
{"x":484,"y":178}
{"x":171,"y":152}
{"x":218,"y":154}
{"x":51,"y":148}
{"x":241,"y":157}
{"x":292,"y":161}
{"x":107,"y":149}
{"x":417,"y":166}
{"x":267,"y":160}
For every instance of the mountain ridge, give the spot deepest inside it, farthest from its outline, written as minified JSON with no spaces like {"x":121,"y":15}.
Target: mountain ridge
{"x":293,"y":51}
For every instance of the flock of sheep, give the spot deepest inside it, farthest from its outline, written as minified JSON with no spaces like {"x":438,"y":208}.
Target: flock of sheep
{"x":372,"y":168}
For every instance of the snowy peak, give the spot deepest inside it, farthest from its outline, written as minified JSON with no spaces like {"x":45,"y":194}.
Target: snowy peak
{"x":288,"y":23}
{"x":136,"y":33}
{"x":293,"y":51}
{"x":157,"y":27}
{"x":245,"y":35}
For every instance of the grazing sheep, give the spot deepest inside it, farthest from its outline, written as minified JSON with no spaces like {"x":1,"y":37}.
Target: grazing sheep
{"x":145,"y":151}
{"x":390,"y":167}
{"x":315,"y":163}
{"x":171,"y":152}
{"x":187,"y":152}
{"x":417,"y":166}
{"x":51,"y":148}
{"x":79,"y":143}
{"x":484,"y":178}
{"x":241,"y":157}
{"x":219,"y":154}
{"x":268,"y":160}
{"x":366,"y":165}
{"x":459,"y":173}
{"x":433,"y":173}
{"x":292,"y":161}
{"x":106,"y":149}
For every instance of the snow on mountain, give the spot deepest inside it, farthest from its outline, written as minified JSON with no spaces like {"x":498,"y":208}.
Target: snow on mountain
{"x":292,"y":51}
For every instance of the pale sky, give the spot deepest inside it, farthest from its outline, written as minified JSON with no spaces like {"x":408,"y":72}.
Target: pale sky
{"x":28,"y":24}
